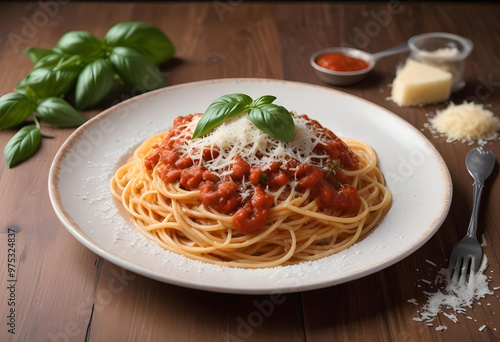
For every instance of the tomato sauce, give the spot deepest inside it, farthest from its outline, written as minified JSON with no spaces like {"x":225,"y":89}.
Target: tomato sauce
{"x":339,"y":62}
{"x":329,"y":185}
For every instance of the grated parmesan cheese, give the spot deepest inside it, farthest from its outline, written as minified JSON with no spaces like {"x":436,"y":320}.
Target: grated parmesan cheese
{"x":467,"y":122}
{"x":452,"y":317}
{"x":413,"y":301}
{"x":455,"y":296}
{"x":238,"y":136}
{"x":446,"y":52}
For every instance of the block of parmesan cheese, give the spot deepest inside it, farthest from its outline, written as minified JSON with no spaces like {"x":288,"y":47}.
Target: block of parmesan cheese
{"x":418,"y":84}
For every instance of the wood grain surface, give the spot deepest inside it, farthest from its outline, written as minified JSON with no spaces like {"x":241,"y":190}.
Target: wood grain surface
{"x":64,"y":292}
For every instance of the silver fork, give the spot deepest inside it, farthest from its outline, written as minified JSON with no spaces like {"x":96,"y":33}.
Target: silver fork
{"x":467,"y":254}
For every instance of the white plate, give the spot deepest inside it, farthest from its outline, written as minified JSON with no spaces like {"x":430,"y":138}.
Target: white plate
{"x":415,"y":173}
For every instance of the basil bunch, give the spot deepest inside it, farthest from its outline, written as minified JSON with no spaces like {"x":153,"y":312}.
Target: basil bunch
{"x":87,"y":66}
{"x":270,"y":118}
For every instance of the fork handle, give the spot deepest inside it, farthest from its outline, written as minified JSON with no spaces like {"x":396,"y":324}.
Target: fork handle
{"x":477,"y":190}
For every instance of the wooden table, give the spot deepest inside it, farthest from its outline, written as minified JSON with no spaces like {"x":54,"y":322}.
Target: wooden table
{"x":64,"y":292}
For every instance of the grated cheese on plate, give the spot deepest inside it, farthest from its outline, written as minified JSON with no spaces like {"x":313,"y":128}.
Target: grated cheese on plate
{"x":238,"y":136}
{"x":466,"y":122}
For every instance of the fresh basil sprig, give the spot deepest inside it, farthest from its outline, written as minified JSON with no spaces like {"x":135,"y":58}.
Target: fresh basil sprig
{"x":48,"y":82}
{"x":36,"y":54}
{"x":56,"y":111}
{"x":135,"y":69}
{"x":89,"y":66}
{"x":94,"y":83}
{"x":23,"y":144}
{"x":14,"y":109}
{"x":144,"y":38}
{"x":270,"y":118}
{"x":81,"y":43}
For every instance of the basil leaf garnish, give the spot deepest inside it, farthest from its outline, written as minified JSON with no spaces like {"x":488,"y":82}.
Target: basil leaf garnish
{"x":14,"y":109}
{"x":56,"y":111}
{"x":263,"y":100}
{"x":94,"y":83}
{"x":221,"y":109}
{"x":135,"y":69}
{"x":270,"y":118}
{"x":146,"y":39}
{"x":273,"y":120}
{"x":22,"y":145}
{"x":36,"y":54}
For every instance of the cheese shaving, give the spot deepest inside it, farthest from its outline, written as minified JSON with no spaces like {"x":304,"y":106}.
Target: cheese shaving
{"x":238,"y":136}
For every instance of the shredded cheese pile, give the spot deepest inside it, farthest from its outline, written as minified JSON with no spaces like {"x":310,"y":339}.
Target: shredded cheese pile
{"x":238,"y":136}
{"x":467,"y":122}
{"x":456,"y":296}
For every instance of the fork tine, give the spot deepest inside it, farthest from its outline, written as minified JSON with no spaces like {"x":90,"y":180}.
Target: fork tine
{"x":471,"y":269}
{"x":464,"y":271}
{"x":454,"y":274}
{"x":452,"y":264}
{"x":476,"y":264}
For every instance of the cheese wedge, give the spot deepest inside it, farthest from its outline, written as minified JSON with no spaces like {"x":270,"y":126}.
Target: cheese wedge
{"x":418,"y":84}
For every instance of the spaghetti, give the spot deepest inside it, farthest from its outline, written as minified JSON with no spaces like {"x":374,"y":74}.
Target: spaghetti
{"x":240,"y":198}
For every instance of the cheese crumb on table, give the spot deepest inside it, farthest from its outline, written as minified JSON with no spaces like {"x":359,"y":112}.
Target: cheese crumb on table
{"x":455,"y":296}
{"x":418,"y":84}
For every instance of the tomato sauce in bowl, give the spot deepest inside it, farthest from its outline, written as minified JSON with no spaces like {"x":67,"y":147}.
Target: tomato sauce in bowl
{"x":341,"y":66}
{"x":340,"y":62}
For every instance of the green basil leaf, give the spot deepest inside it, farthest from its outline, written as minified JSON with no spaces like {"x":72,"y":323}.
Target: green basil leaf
{"x":94,"y":83}
{"x":14,"y":109}
{"x":146,"y":39}
{"x":262,"y":101}
{"x":222,"y":108}
{"x":75,"y":62}
{"x":135,"y":69}
{"x":35,"y":54}
{"x":58,"y":112}
{"x":47,"y":82}
{"x":23,"y":84}
{"x":31,"y":95}
{"x":59,"y":61}
{"x":81,"y":43}
{"x":49,"y":61}
{"x":274,"y":120}
{"x":22,"y":145}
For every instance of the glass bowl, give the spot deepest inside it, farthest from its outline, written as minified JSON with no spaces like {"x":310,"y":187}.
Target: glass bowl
{"x":443,"y":50}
